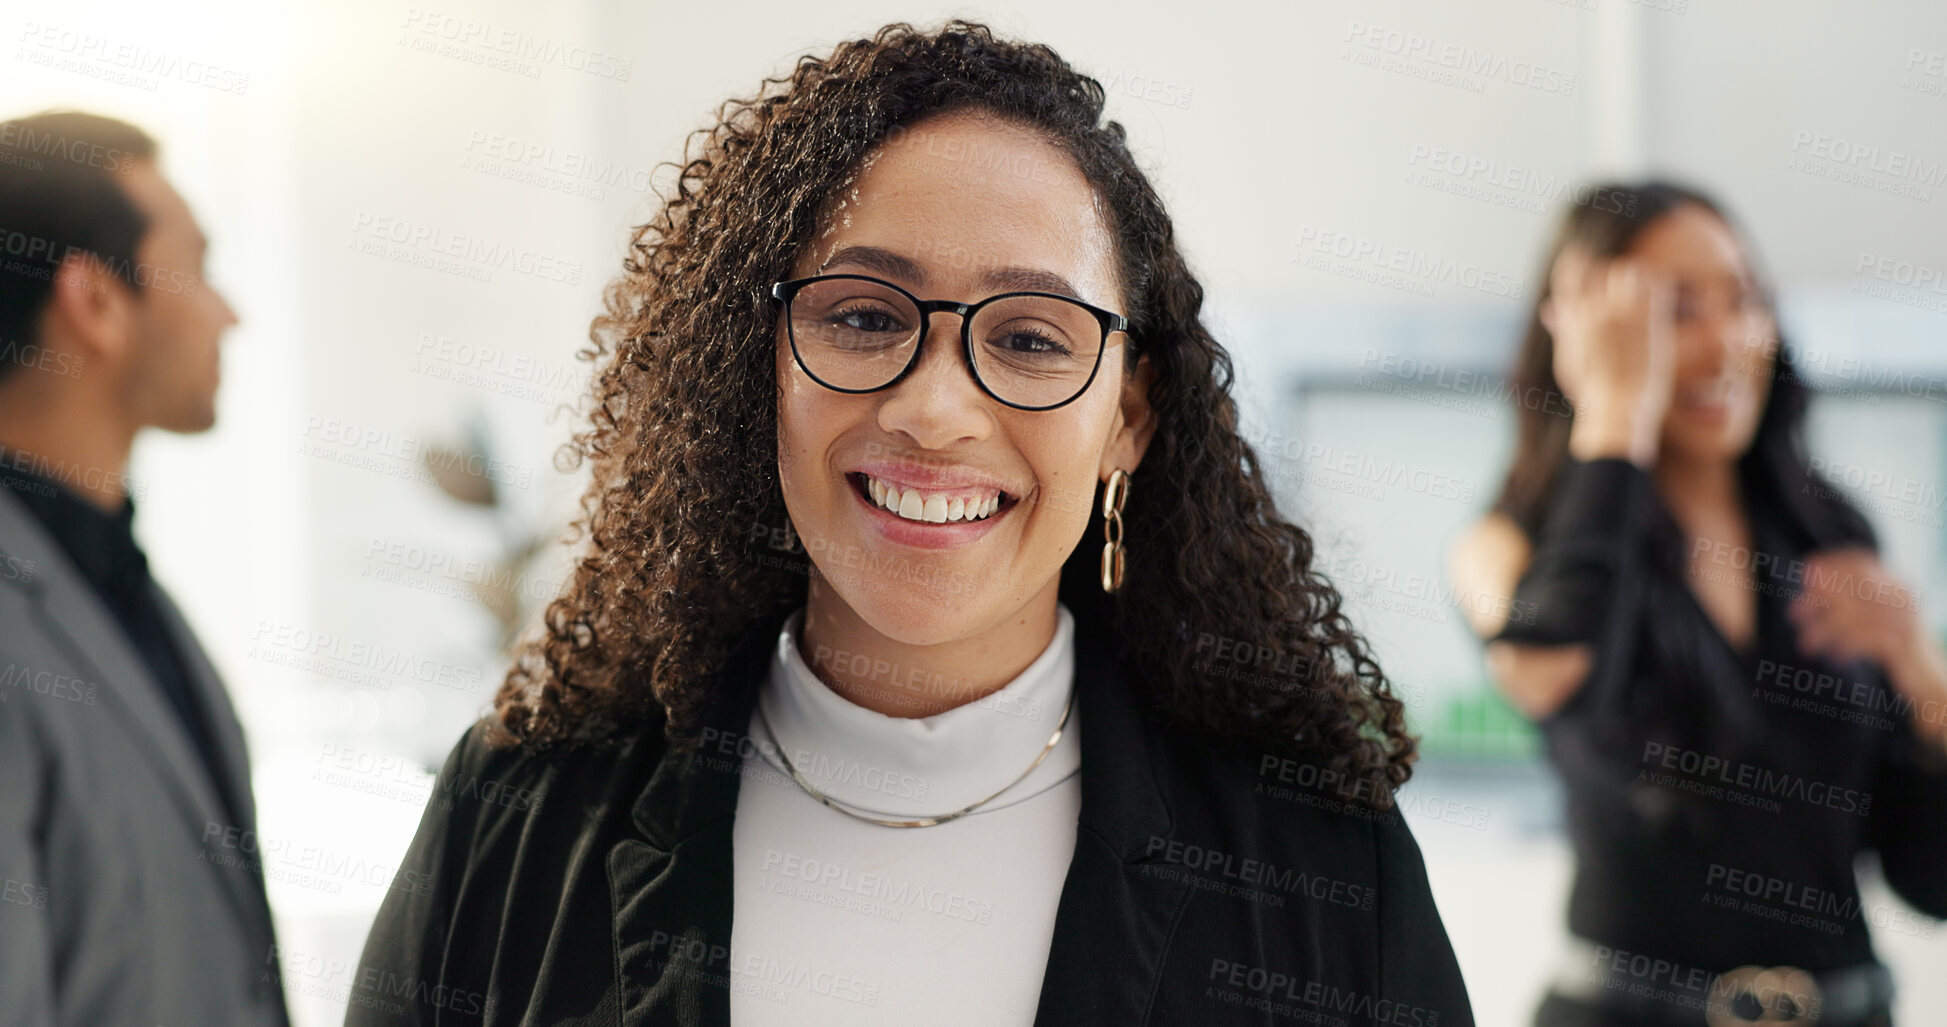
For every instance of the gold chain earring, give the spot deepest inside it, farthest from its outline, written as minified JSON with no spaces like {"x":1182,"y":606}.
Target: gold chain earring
{"x":1114,"y":492}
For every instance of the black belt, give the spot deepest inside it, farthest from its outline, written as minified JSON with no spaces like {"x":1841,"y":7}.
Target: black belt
{"x":1848,"y":997}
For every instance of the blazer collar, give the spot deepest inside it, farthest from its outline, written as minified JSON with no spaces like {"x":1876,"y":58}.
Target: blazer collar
{"x":672,"y":908}
{"x":1121,"y":797}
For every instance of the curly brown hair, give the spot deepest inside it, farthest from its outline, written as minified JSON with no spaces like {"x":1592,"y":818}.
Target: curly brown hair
{"x":683,"y":439}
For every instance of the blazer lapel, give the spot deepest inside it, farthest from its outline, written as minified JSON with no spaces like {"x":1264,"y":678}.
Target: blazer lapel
{"x":206,"y":688}
{"x":672,"y":887}
{"x":74,"y":619}
{"x":1114,"y":920}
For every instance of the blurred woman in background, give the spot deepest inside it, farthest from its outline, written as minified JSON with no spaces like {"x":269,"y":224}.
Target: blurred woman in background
{"x":1738,"y":697}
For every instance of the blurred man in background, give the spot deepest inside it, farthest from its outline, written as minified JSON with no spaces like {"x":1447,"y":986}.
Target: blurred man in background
{"x":130,"y":888}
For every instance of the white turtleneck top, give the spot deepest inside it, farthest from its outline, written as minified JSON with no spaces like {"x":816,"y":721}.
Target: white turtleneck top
{"x":843,"y":922}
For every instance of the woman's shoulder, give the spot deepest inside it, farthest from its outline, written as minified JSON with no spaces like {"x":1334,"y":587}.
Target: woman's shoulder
{"x":491,"y":777}
{"x":1295,"y":800}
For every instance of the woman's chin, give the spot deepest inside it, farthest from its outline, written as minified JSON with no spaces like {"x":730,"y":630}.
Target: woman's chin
{"x":1707,"y":437}
{"x":913,"y":614}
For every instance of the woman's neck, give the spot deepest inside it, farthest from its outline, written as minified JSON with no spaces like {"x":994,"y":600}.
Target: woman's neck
{"x":885,"y":675}
{"x":1698,"y":491}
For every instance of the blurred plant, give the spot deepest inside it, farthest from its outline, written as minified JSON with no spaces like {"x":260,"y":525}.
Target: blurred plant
{"x":466,"y":472}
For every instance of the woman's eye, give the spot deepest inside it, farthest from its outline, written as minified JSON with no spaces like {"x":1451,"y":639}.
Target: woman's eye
{"x":866,"y":320}
{"x":1033,"y":342}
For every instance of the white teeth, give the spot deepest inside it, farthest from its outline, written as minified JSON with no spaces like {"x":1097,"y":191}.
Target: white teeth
{"x":915,"y":505}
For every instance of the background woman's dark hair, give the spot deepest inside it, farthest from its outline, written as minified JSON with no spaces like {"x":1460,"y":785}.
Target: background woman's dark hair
{"x":1775,"y":469}
{"x":683,"y":442}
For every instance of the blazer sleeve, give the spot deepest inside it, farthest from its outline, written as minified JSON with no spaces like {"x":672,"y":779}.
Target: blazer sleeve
{"x":401,"y":976}
{"x":1420,"y":983}
{"x":26,"y":937}
{"x":1909,"y":823}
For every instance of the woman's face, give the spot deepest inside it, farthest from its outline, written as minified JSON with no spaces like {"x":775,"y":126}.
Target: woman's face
{"x":1726,"y":341}
{"x":959,"y":206}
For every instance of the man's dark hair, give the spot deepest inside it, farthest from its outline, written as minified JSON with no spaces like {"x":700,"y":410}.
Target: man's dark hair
{"x":59,"y":193}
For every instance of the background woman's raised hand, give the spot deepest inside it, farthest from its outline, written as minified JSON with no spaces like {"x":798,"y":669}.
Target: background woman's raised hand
{"x":1851,"y":607}
{"x":1615,"y":352}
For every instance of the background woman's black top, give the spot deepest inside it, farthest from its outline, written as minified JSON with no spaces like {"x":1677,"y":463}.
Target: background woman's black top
{"x":1210,"y":884}
{"x":1716,"y":800}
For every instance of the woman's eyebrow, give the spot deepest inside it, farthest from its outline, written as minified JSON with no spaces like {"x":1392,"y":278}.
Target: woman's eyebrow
{"x":884,"y":261}
{"x":1028,"y":279}
{"x":894,"y":265}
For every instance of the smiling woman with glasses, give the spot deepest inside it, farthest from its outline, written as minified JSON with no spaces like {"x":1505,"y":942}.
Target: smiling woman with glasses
{"x":881,"y":692}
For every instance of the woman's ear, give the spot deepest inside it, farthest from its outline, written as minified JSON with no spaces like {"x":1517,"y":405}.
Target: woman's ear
{"x":1135,"y":421}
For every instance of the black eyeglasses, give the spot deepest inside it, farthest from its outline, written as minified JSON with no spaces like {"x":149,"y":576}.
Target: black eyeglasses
{"x":1029,"y":350}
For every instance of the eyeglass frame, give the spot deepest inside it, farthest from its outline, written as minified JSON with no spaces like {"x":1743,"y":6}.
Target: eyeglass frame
{"x":1110,"y":321}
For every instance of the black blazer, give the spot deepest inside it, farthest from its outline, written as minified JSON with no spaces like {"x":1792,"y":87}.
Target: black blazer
{"x":1209,"y":885}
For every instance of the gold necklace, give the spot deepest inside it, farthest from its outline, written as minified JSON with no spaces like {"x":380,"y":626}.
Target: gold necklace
{"x":839,"y":804}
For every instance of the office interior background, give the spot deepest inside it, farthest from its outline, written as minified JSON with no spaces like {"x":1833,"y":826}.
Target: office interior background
{"x":415,"y":216}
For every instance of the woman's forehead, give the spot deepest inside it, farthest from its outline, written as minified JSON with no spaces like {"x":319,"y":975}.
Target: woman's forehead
{"x":964,"y":197}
